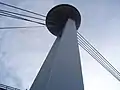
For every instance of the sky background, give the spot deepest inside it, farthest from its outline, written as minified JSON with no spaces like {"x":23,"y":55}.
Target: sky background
{"x":22,"y":51}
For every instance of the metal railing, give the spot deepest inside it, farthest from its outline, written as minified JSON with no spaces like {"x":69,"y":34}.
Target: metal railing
{"x":5,"y":87}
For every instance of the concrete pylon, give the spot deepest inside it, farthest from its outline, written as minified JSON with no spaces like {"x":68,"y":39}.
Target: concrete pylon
{"x":62,"y":67}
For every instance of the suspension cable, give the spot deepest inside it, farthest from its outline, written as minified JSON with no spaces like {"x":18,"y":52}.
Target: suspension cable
{"x":112,"y":70}
{"x":20,"y":18}
{"x":96,"y":57}
{"x":96,"y":51}
{"x":12,"y":6}
{"x":23,"y":27}
{"x":21,"y":14}
{"x":109,"y":70}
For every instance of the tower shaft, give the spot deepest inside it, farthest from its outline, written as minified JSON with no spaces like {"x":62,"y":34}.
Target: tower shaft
{"x":62,"y":67}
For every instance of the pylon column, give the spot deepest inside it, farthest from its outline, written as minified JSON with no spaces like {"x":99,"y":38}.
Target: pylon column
{"x":62,"y":67}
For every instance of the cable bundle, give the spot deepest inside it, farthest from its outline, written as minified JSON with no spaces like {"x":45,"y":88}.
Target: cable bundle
{"x":15,"y":15}
{"x":97,"y":56}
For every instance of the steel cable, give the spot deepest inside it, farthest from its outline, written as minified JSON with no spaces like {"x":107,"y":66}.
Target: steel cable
{"x":86,"y":47}
{"x":12,"y":6}
{"x":98,"y":60}
{"x":21,"y":14}
{"x":96,"y":51}
{"x":23,"y":27}
{"x":18,"y":17}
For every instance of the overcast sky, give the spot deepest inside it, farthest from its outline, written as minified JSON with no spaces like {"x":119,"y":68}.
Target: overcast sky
{"x":22,"y":51}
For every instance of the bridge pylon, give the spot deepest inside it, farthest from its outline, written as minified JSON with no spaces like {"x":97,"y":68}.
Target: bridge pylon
{"x":61,"y":69}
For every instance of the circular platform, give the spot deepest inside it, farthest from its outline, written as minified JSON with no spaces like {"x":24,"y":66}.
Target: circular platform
{"x":58,"y":16}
